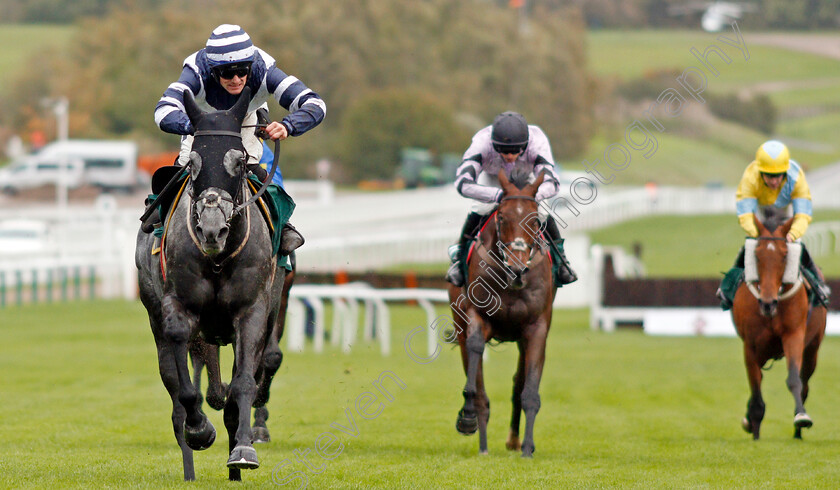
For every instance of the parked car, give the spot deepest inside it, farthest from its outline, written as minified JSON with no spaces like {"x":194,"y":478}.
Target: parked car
{"x":105,"y":164}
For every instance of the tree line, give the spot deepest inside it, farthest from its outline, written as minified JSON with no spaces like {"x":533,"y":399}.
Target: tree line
{"x":393,"y":73}
{"x":773,"y":14}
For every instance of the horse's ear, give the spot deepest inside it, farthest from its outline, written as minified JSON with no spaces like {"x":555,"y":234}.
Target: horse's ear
{"x":758,"y":224}
{"x":503,"y":180}
{"x":785,"y":228}
{"x":192,"y":109}
{"x":533,"y":186}
{"x":240,"y":109}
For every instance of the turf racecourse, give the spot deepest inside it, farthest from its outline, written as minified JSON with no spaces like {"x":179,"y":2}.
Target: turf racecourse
{"x":83,"y":406}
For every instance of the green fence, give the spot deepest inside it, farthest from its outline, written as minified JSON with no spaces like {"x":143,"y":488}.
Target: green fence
{"x":27,"y":286}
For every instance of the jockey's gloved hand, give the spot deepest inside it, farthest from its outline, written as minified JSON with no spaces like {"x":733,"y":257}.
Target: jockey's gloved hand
{"x":262,"y":120}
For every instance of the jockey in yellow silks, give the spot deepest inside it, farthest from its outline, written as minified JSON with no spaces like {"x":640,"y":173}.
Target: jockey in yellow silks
{"x":774,"y":180}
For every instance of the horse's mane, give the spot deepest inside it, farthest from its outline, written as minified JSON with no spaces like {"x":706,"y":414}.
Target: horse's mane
{"x":519,"y":177}
{"x":774,"y":217}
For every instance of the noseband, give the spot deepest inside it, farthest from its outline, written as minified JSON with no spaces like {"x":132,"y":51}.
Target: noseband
{"x":517,"y":243}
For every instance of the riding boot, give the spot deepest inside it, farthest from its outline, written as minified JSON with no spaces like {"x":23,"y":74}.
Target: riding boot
{"x":258,"y":171}
{"x":821,"y":289}
{"x":565,"y":274}
{"x":290,"y":239}
{"x":455,"y":275}
{"x":152,"y":222}
{"x":725,"y":302}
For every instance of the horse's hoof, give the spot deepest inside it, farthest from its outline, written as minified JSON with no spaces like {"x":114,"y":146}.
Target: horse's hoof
{"x":513,"y":444}
{"x":243,"y":458}
{"x":745,"y":424}
{"x":802,"y":420}
{"x":527,"y":453}
{"x":201,"y":437}
{"x":466,"y":425}
{"x":484,"y":453}
{"x":261,"y":435}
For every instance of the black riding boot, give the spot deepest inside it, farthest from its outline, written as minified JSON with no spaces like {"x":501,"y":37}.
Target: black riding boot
{"x":258,"y":171}
{"x":152,"y":222}
{"x":290,"y":239}
{"x":565,"y":274}
{"x":821,"y":289}
{"x":725,"y":302}
{"x":455,"y":275}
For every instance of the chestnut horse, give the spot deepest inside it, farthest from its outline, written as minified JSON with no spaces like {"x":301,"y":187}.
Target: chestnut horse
{"x":507,"y":296}
{"x":772,"y":316}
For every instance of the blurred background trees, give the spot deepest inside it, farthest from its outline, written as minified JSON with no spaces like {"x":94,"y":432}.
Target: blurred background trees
{"x":383,"y":66}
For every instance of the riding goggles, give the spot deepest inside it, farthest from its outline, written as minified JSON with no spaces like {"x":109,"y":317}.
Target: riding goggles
{"x":227,"y":72}
{"x":773,"y":176}
{"x":509,"y":149}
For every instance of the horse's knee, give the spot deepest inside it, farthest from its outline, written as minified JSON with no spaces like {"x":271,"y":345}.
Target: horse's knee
{"x":530,"y":401}
{"x":475,"y":342}
{"x":793,"y":380}
{"x":242,"y":385}
{"x":272,"y":361}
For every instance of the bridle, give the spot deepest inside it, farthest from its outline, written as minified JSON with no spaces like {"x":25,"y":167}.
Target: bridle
{"x":242,"y":174}
{"x":518,"y":243}
{"x":213,"y":200}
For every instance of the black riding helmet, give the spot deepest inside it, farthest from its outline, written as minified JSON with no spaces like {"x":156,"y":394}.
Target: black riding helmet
{"x":510,"y":133}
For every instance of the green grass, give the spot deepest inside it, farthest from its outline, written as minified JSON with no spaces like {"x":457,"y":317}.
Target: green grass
{"x":800,"y":84}
{"x":26,"y":42}
{"x":692,"y":246}
{"x":632,"y":54}
{"x":83,"y":407}
{"x":715,"y":154}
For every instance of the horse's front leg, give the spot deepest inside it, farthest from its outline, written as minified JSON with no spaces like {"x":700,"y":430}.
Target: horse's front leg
{"x":472,"y":348}
{"x":534,"y":349}
{"x":793,"y":345}
{"x":513,"y":443}
{"x":248,"y":348}
{"x":272,"y":355}
{"x":178,"y":325}
{"x":751,"y":423}
{"x":206,"y":355}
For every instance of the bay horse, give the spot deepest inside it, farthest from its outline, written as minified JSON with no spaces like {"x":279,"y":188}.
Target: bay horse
{"x":772,"y":316}
{"x":215,"y":278}
{"x":507,"y":296}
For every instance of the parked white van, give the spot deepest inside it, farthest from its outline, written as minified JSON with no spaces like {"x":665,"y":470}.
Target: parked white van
{"x":106,"y":164}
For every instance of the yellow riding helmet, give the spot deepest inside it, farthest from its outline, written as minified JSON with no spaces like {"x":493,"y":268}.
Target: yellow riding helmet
{"x":773,"y":157}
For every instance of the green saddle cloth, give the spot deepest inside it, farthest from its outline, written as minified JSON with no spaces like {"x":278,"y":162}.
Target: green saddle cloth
{"x":729,"y":285}
{"x":280,"y":206}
